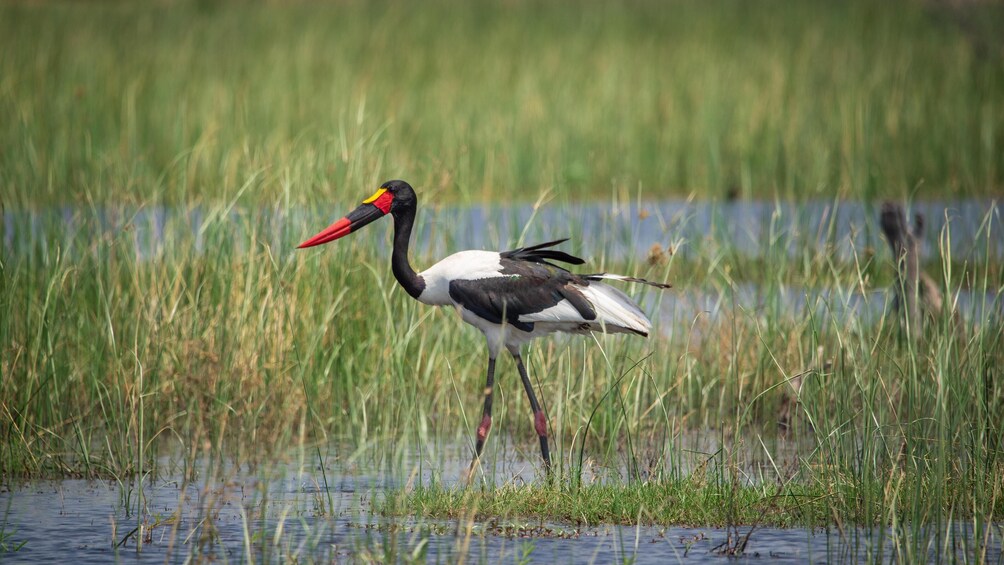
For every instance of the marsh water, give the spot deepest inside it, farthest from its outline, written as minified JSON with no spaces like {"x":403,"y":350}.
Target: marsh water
{"x":966,"y":231}
{"x":294,"y":511}
{"x":959,"y":229}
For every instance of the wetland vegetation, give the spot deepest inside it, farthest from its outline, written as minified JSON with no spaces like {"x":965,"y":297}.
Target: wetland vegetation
{"x":215,"y":346}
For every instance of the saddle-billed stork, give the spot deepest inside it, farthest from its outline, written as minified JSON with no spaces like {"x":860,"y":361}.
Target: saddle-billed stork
{"x":511,"y":296}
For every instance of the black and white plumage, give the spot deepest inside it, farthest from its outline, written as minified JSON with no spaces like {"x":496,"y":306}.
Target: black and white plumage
{"x":531,"y":295}
{"x":511,"y":296}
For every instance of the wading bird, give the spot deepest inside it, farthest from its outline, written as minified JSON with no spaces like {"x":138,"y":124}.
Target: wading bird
{"x":511,"y":296}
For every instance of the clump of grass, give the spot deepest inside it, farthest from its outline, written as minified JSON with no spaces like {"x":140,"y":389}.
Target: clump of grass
{"x":665,"y":502}
{"x":689,"y":501}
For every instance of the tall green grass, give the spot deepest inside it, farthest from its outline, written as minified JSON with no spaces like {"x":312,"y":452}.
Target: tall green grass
{"x":116,"y":101}
{"x":227,"y":336}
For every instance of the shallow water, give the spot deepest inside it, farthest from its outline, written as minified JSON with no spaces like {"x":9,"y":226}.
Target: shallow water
{"x":684,"y":308}
{"x":287,"y":513}
{"x":747,"y":228}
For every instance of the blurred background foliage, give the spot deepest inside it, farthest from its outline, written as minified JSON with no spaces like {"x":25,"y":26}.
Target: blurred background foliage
{"x":182,"y":102}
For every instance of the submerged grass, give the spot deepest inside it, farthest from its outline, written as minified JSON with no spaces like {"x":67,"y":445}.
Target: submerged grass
{"x":175,"y":101}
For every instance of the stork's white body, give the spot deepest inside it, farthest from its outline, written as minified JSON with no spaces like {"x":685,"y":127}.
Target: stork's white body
{"x":615,"y":312}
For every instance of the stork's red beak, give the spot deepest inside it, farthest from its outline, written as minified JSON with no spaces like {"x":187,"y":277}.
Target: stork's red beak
{"x":371,"y":209}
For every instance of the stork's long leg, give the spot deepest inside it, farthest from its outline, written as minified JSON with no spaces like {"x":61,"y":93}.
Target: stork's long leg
{"x":486,"y":416}
{"x":539,"y":420}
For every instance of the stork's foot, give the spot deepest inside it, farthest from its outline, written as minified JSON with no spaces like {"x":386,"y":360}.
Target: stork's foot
{"x":545,"y":454}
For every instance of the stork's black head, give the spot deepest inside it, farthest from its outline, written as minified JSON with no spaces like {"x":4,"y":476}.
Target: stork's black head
{"x":394,"y":196}
{"x":404,"y":197}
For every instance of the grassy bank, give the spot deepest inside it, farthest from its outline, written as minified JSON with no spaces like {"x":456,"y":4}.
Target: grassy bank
{"x":182,"y":101}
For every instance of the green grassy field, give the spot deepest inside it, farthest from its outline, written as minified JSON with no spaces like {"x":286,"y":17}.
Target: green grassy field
{"x":179,"y":101}
{"x":225,"y":342}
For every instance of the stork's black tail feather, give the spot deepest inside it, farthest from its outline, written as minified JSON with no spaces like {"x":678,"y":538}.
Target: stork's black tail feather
{"x":622,"y":278}
{"x":540,"y":254}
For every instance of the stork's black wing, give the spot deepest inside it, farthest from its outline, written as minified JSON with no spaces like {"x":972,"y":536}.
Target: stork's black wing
{"x":525,"y":285}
